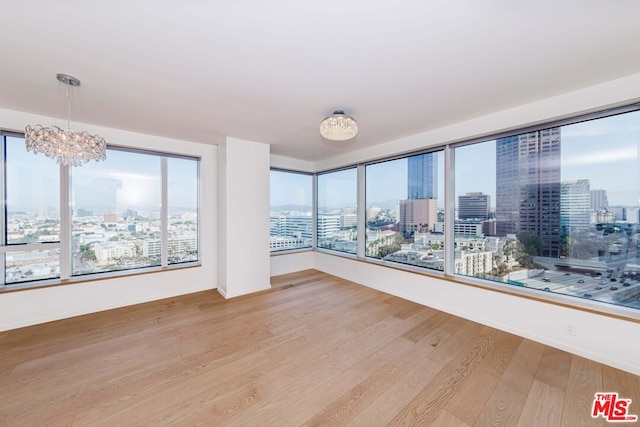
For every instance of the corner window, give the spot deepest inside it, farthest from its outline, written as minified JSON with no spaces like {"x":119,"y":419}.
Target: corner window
{"x":337,"y":202}
{"x":291,"y":219}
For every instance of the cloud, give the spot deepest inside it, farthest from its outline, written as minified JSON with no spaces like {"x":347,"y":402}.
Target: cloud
{"x":577,"y":131}
{"x":600,"y":157}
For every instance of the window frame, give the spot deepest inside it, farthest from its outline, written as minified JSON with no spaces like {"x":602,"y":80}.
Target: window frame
{"x":359,"y":183}
{"x":313,"y":177}
{"x":449,"y":210}
{"x":65,"y":242}
{"x":440,"y":150}
{"x":5,"y":246}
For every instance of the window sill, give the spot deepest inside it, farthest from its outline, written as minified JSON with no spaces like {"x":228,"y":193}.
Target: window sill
{"x":569,"y":301}
{"x":48,"y":283}
{"x":291,"y":251}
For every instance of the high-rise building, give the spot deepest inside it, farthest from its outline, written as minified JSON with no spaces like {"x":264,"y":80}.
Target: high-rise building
{"x":575,"y":205}
{"x":291,"y":225}
{"x":602,"y":217}
{"x":633,"y":215}
{"x":349,"y":220}
{"x":422,"y":177}
{"x":130,"y":213}
{"x":372,"y":213}
{"x":83,"y":212}
{"x":528,"y":187}
{"x":620,"y":212}
{"x":599,"y":201}
{"x":417,"y":216}
{"x":474,"y":206}
{"x":328,"y":224}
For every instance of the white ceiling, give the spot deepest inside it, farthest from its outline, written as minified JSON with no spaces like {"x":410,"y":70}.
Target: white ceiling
{"x":269,"y":71}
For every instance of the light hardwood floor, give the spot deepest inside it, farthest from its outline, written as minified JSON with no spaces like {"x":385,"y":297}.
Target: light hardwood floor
{"x":314,"y":350}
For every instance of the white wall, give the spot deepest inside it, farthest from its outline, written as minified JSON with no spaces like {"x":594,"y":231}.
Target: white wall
{"x":291,"y":164}
{"x":28,"y":307}
{"x":291,"y":262}
{"x":39,"y":305}
{"x":244,"y":217}
{"x":606,"y":339}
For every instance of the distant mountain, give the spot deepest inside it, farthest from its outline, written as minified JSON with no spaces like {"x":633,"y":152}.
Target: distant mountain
{"x":287,"y":208}
{"x":389,"y":204}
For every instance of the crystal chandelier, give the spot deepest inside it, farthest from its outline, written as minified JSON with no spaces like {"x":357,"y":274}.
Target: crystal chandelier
{"x":65,"y":146}
{"x":338,"y":127}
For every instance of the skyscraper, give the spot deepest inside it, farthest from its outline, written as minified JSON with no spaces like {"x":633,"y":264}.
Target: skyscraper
{"x":417,"y":216}
{"x":599,"y":200}
{"x":422,"y":177}
{"x":474,"y":206}
{"x":528,"y":187}
{"x":418,"y":212}
{"x":575,"y":205}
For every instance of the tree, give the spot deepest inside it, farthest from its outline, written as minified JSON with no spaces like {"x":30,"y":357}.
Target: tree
{"x":565,"y":246}
{"x":515,"y":250}
{"x":89,"y":255}
{"x":532,"y":244}
{"x":86,"y":253}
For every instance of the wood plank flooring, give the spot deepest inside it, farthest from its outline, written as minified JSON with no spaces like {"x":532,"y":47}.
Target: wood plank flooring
{"x":314,"y":350}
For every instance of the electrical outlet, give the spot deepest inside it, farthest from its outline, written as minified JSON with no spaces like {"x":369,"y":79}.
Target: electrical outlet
{"x":570,"y":329}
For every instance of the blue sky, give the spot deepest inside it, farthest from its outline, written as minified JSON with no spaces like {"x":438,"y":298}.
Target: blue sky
{"x":33,"y":180}
{"x":290,"y":189}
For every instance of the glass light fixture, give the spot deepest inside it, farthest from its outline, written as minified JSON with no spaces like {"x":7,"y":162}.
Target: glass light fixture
{"x":338,"y":127}
{"x":65,"y":146}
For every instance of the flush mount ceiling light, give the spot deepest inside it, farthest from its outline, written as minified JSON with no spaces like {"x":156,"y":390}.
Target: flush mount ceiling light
{"x":65,"y":146}
{"x":338,"y":127}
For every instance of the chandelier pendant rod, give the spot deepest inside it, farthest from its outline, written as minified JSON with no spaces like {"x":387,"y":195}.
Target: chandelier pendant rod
{"x":68,"y":107}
